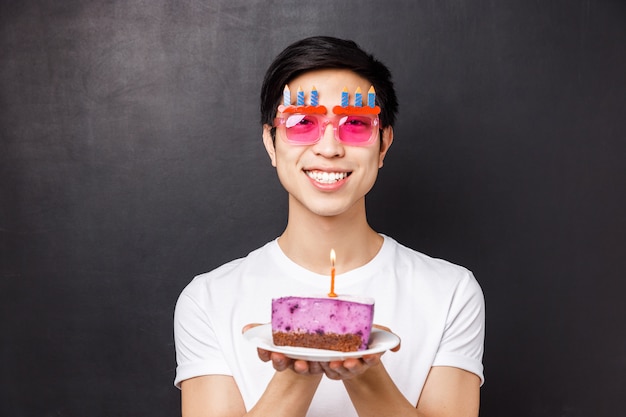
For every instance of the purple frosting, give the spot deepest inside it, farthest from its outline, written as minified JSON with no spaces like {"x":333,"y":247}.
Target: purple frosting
{"x":339,"y":315}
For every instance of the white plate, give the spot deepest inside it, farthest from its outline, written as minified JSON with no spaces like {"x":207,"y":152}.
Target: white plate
{"x":261,"y":336}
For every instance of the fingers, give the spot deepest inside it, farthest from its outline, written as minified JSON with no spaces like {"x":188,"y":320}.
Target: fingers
{"x":347,"y":369}
{"x":281,"y":363}
{"x":350,"y":367}
{"x":307,"y":368}
{"x":336,"y":370}
{"x":264,"y":355}
{"x":372,"y":360}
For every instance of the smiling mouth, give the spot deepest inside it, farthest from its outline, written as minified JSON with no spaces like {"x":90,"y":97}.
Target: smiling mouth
{"x":327,"y":177}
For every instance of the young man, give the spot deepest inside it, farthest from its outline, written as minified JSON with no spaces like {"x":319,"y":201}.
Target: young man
{"x":327,"y":164}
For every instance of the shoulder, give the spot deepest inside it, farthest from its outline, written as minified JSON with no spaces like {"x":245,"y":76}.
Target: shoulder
{"x":433,"y":272}
{"x":226,"y":276}
{"x":406,"y":257}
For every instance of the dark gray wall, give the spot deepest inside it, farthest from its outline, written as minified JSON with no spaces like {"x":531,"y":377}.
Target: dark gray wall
{"x":131,"y":160}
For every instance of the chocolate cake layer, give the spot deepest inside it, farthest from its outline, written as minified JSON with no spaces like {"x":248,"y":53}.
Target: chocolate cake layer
{"x":330,"y":341}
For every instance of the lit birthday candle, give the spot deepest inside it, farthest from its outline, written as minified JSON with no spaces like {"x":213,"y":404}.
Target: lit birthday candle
{"x":358,"y":98}
{"x":332,"y":274}
{"x":371,"y":97}
{"x":286,"y":96}
{"x":300,"y":97}
{"x":315,"y":98}
{"x":344,"y":97}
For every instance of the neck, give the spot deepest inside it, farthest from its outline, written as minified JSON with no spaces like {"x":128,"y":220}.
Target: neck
{"x":308,"y":239}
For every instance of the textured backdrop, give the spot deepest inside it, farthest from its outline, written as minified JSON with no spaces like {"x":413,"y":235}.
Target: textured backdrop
{"x":131,"y":160}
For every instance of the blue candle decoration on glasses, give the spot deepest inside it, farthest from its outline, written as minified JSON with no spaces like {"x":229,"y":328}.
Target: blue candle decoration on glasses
{"x":371,"y":97}
{"x":315,"y":99}
{"x":300,"y":97}
{"x":286,"y":96}
{"x":344,"y":97}
{"x":358,"y":98}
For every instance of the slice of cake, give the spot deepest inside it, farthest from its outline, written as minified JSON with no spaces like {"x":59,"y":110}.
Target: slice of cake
{"x":340,"y":323}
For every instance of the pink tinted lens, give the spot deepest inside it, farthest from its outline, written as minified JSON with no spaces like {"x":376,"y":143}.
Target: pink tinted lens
{"x":355,"y":129}
{"x":302,"y":128}
{"x":307,"y":129}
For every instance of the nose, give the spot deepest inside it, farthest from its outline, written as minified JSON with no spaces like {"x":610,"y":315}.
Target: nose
{"x":328,"y":145}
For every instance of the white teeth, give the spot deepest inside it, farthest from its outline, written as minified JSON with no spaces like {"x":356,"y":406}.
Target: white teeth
{"x":326,"y":177}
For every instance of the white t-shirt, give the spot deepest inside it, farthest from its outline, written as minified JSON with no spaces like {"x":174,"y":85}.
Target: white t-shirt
{"x":437,"y":309}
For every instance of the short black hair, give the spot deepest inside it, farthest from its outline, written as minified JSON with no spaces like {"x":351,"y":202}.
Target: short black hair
{"x":325,"y":52}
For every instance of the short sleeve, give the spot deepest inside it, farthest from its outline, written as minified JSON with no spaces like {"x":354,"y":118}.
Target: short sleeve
{"x":198,"y":351}
{"x":462,"y":344}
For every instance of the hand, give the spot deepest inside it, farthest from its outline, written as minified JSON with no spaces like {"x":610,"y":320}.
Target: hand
{"x":337,"y":370}
{"x":281,"y":362}
{"x":351,"y":367}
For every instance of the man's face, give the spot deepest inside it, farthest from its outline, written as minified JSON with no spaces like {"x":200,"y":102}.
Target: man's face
{"x":327,"y":178}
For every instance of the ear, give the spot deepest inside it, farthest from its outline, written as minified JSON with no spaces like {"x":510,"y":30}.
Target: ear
{"x":385,"y":143}
{"x":268,"y":141}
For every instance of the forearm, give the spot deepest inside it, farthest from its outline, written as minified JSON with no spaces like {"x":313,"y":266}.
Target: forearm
{"x":288,"y":394}
{"x":447,"y":392}
{"x":375,"y":394}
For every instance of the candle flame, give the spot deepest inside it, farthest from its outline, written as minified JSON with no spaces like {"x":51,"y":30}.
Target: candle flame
{"x":332,"y":257}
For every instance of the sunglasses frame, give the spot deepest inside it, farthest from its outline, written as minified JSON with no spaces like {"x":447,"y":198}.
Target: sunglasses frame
{"x":335,"y":121}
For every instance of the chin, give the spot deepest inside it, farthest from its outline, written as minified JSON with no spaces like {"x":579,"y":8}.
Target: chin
{"x":336,"y":210}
